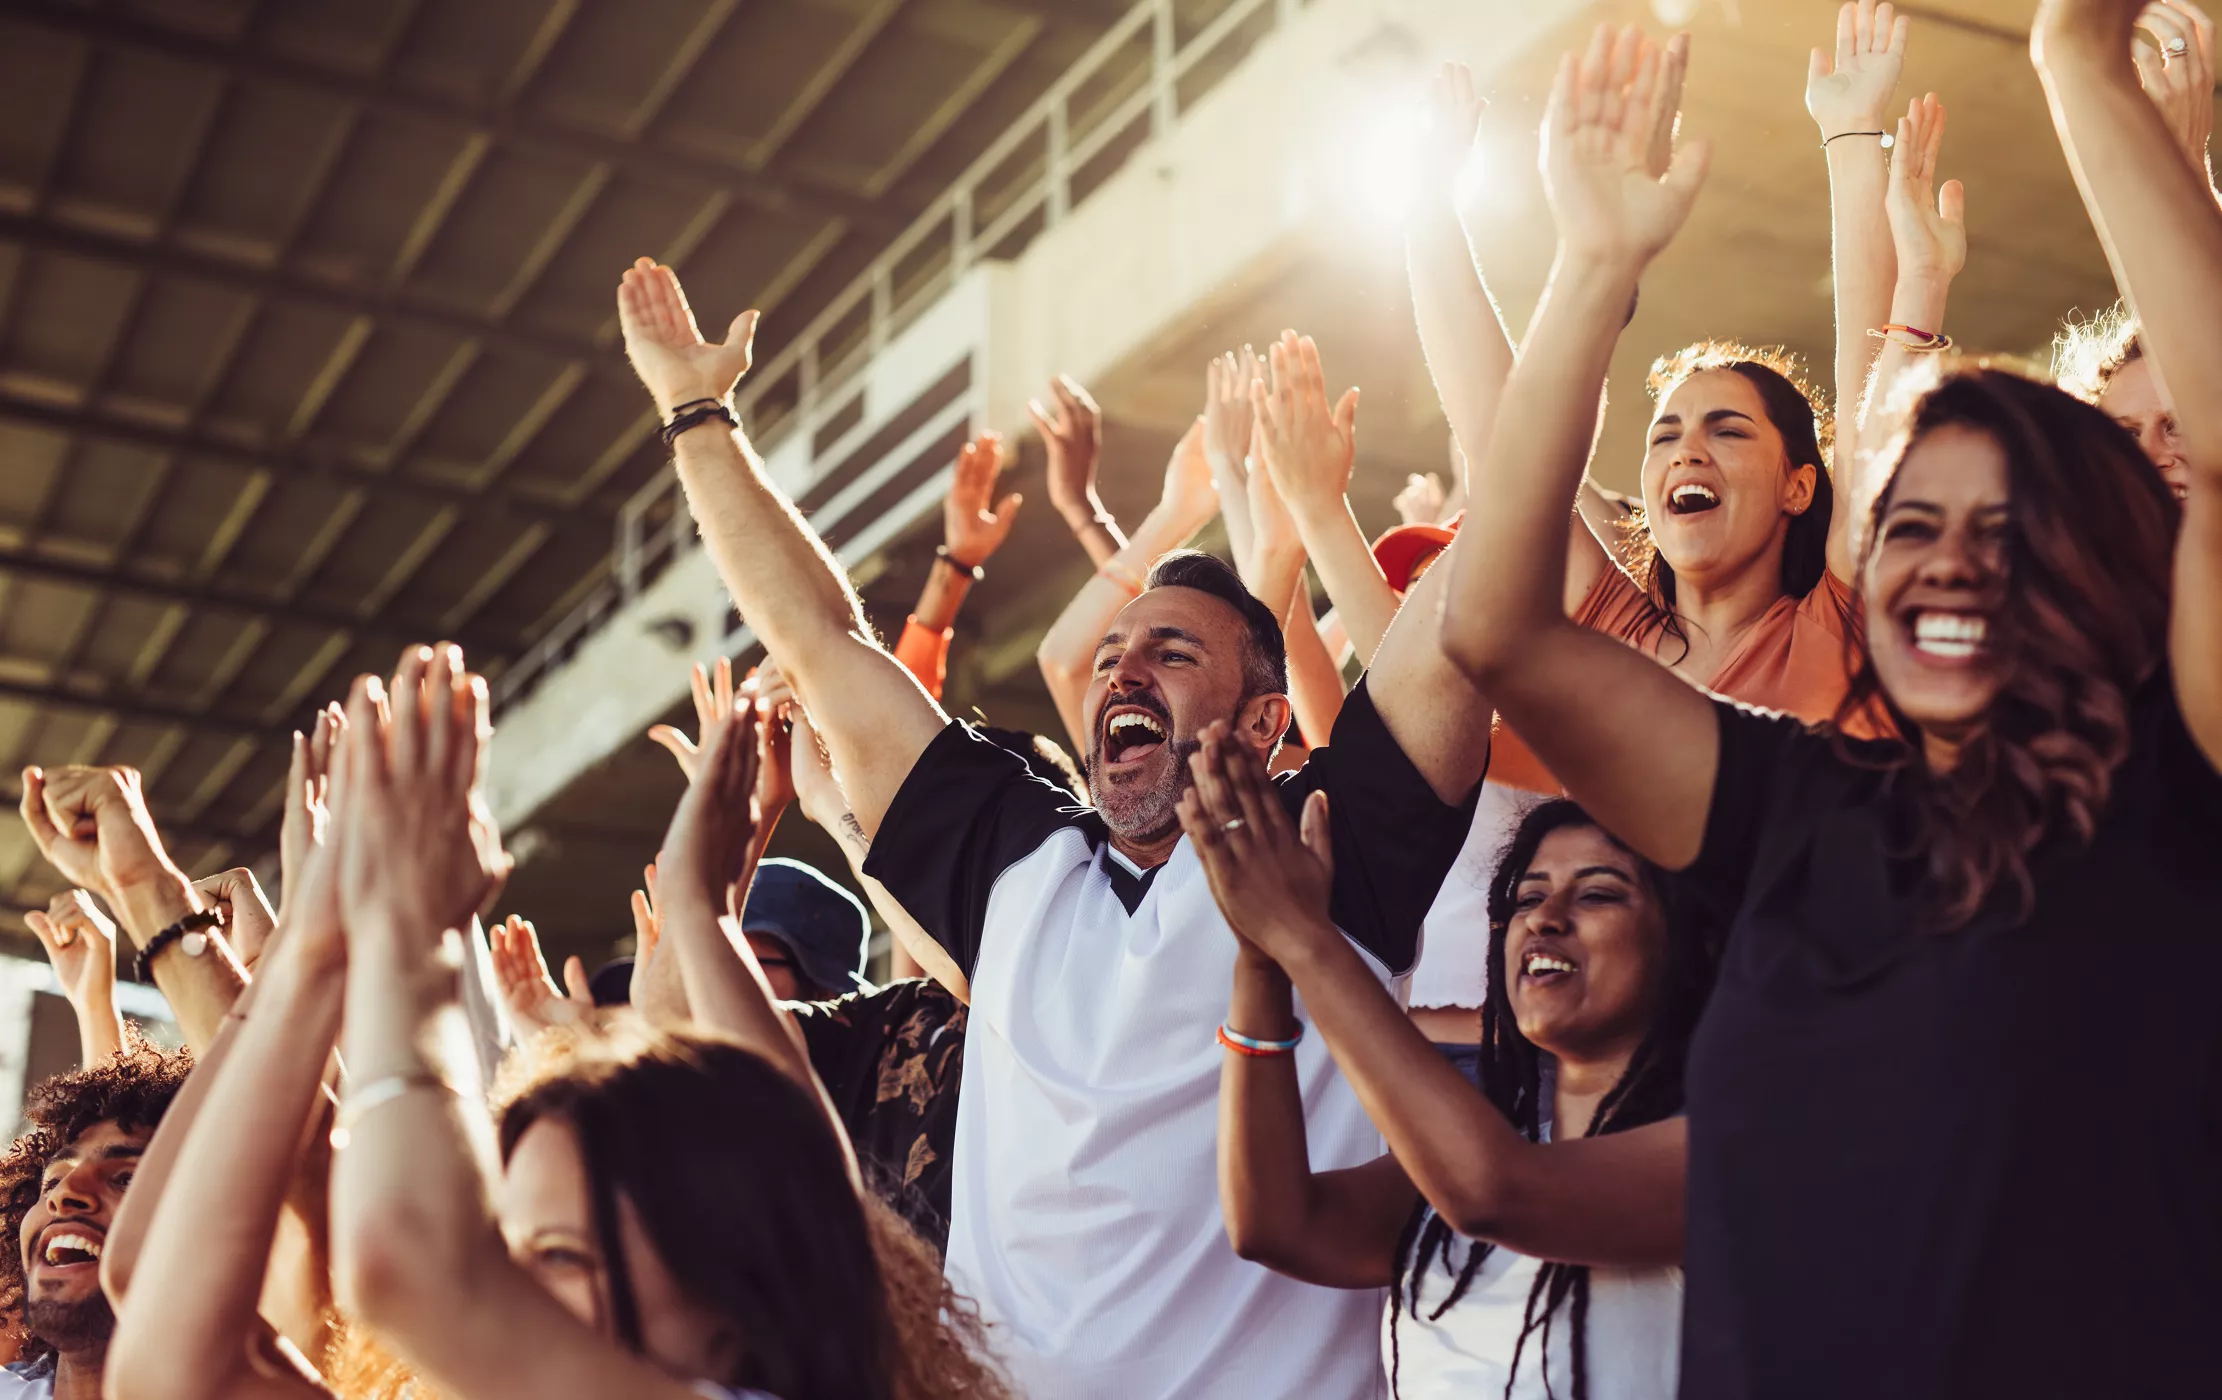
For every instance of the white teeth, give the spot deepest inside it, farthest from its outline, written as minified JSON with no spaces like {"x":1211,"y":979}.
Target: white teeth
{"x":82,"y":1244}
{"x":1955,"y":636}
{"x":1545,"y":962}
{"x":1136,"y":728}
{"x":1690,"y":493}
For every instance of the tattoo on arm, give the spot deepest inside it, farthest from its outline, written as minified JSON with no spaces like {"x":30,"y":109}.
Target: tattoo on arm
{"x":852,"y":832}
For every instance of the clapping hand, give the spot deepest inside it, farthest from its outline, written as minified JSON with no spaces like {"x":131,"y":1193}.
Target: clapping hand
{"x":1072,"y":432}
{"x":1271,"y":879}
{"x":973,"y":523}
{"x":1851,"y":89}
{"x":248,"y":922}
{"x":667,"y":349}
{"x":92,"y":825}
{"x":80,"y":942}
{"x":716,"y":700}
{"x":1449,"y":117}
{"x":705,"y":849}
{"x":1309,"y":448}
{"x":307,"y":800}
{"x":534,"y":1001}
{"x":2177,"y":71}
{"x":1928,"y":224}
{"x":418,"y":853}
{"x":1227,"y":412}
{"x":1608,"y":110}
{"x":1421,"y":500}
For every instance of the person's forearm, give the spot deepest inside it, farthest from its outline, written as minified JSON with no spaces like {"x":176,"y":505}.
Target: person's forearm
{"x":2161,"y":229}
{"x":1462,"y":334}
{"x":99,"y":1028}
{"x":1507,"y":568}
{"x":1865,"y":267}
{"x":201,"y":1270}
{"x":926,"y":958}
{"x":1918,"y":300}
{"x":199,"y":989}
{"x":944,"y":593}
{"x":1355,"y":585}
{"x":1096,"y":528}
{"x":1234,"y":505}
{"x":1264,"y":1164}
{"x":1314,"y":680}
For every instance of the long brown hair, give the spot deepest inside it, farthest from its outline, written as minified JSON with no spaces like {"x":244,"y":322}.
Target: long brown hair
{"x":2083,"y":624}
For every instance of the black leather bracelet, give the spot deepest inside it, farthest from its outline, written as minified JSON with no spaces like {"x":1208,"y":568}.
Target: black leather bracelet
{"x":692,"y":416}
{"x":941,"y":553}
{"x":192,"y":926}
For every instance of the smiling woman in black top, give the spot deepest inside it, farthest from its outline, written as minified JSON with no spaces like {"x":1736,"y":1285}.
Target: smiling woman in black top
{"x":1955,"y":1112}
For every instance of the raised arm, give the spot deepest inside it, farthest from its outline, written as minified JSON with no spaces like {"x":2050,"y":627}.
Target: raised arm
{"x":1072,"y":434}
{"x":1068,"y":649}
{"x":2176,"y":68}
{"x":1462,"y":334}
{"x":1848,"y":92}
{"x":81,"y":944}
{"x":1633,"y":743}
{"x":189,"y":1325}
{"x":1228,"y":423}
{"x":786,"y":584}
{"x":92,"y":824}
{"x":2163,"y":236}
{"x":974,"y":525}
{"x":1613,"y":1200}
{"x":1270,"y":558}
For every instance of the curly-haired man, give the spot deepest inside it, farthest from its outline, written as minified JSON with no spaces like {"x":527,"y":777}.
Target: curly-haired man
{"x":60,"y":1185}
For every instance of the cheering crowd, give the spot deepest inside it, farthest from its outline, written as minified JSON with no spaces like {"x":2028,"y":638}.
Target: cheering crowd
{"x":1691,"y":959}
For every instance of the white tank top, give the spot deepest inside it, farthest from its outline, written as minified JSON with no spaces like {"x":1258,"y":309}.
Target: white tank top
{"x":1634,"y":1333}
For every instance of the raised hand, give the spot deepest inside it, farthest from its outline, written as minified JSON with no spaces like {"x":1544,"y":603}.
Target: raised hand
{"x":1928,"y":224}
{"x":667,"y":350}
{"x":1072,"y":432}
{"x":1606,"y":111}
{"x":2174,"y":53}
{"x":1852,"y":89}
{"x":1272,"y":881}
{"x":80,"y":942}
{"x":1666,"y":124}
{"x":307,"y":800}
{"x":648,"y":933}
{"x":92,"y":825}
{"x":1308,"y":447}
{"x":418,"y":851}
{"x":248,"y":922}
{"x":1227,"y":413}
{"x":1449,"y":117}
{"x":1189,"y":495}
{"x":973,"y":523}
{"x":1421,"y":500}
{"x":521,"y":973}
{"x":716,"y":700}
{"x":705,"y":848}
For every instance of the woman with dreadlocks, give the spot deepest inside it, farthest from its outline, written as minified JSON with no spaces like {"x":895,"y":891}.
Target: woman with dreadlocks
{"x":1529,"y":1233}
{"x":1946,"y":949}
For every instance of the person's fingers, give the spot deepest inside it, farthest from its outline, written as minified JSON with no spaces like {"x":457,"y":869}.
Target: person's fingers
{"x":644,"y":923}
{"x":1208,"y":764}
{"x":1863,"y":26}
{"x":43,"y":830}
{"x":439,"y":707}
{"x":1938,"y":116}
{"x":407,"y":739}
{"x":575,"y":983}
{"x":51,"y":938}
{"x":721,"y":688}
{"x":1006,"y":510}
{"x":1040,"y":415}
{"x":1260,"y":810}
{"x":1847,"y":31}
{"x":1208,"y":840}
{"x":678,"y":745}
{"x":1901,"y":32}
{"x":1952,"y":203}
{"x":1346,"y":414}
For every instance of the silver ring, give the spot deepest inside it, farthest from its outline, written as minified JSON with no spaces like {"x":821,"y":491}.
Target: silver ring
{"x":2178,"y":47}
{"x":1234,"y":825}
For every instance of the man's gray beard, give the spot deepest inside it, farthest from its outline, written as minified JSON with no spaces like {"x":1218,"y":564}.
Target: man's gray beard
{"x":84,"y":1325}
{"x":1147,"y":814}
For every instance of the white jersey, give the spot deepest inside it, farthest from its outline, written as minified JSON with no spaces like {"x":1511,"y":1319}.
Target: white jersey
{"x":1084,"y":1212}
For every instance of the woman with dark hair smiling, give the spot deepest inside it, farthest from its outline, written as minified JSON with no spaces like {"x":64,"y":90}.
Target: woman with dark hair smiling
{"x":1889,"y":1137}
{"x":1499,"y":1282}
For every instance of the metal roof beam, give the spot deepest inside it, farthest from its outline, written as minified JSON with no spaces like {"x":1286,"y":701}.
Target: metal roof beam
{"x":508,"y":127}
{"x":216,"y":597}
{"x":496,"y":502}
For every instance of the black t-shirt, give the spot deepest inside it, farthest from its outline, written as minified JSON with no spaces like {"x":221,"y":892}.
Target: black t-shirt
{"x":890,"y":1059}
{"x":1985,"y":1162}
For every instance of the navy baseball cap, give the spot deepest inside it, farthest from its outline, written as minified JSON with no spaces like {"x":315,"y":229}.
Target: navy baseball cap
{"x":821,"y":924}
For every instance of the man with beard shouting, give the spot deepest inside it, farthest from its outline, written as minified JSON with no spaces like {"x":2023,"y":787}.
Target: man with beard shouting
{"x":1085,"y":1213}
{"x":60,"y":1186}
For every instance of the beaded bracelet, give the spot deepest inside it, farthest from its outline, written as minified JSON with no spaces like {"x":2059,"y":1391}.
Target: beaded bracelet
{"x":689,"y":415}
{"x":1244,"y":1045}
{"x":1915,"y":338}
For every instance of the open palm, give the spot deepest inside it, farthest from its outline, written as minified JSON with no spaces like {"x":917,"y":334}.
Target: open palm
{"x":667,"y":349}
{"x":1607,"y":108}
{"x":1928,"y":223}
{"x":1851,"y":90}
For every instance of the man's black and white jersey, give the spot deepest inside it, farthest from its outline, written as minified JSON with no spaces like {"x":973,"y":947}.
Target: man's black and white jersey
{"x":1085,"y":1211}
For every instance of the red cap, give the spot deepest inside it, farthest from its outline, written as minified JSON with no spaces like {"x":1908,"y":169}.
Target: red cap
{"x":1400,"y":550}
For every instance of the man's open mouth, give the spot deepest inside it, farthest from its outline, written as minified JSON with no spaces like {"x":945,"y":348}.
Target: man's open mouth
{"x":1131,"y":733}
{"x":68,"y":1247}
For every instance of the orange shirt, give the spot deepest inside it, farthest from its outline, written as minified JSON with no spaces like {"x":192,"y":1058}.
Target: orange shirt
{"x":1796,"y":658}
{"x":925,"y":653}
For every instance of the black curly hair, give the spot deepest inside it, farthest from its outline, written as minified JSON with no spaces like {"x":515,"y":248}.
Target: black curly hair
{"x":131,"y":1089}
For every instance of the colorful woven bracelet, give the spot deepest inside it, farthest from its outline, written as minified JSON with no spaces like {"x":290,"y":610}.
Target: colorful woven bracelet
{"x":1915,"y":338}
{"x":1244,"y":1045}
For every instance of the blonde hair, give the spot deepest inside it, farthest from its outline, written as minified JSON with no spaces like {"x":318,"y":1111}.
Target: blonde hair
{"x":2086,"y":355}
